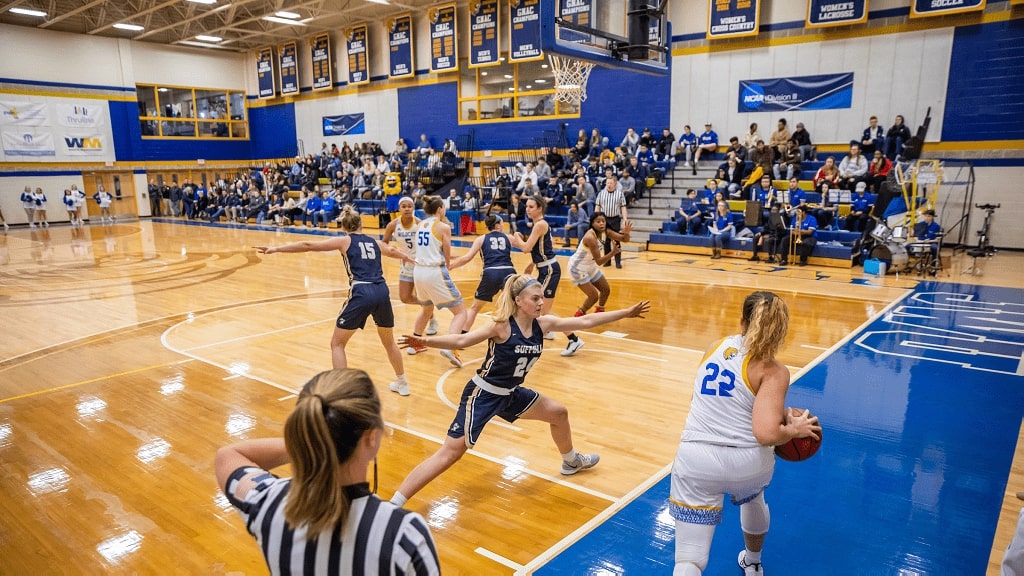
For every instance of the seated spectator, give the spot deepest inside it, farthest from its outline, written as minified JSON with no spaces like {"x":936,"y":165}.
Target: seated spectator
{"x":827,"y":211}
{"x":453,"y":202}
{"x":779,"y":138}
{"x":808,"y":228}
{"x":582,"y":148}
{"x":878,"y":171}
{"x":860,"y":209}
{"x":688,"y":216}
{"x":424,"y":148}
{"x":802,"y":139}
{"x":647,"y":139}
{"x":873,"y":138}
{"x":711,"y":192}
{"x":577,"y":224}
{"x":666,"y":147}
{"x":543,"y":172}
{"x":773,"y":238}
{"x":628,"y":185}
{"x":342,"y":198}
{"x":517,"y":215}
{"x":640,"y":174}
{"x":895,"y":138}
{"x":789,"y":162}
{"x":722,"y":229}
{"x":586,"y":195}
{"x":687,"y":146}
{"x":737,"y":151}
{"x":733,"y":177}
{"x":527,"y":187}
{"x":312,"y":209}
{"x":328,"y":210}
{"x":468,"y":201}
{"x":707,"y":144}
{"x":762,"y":159}
{"x":631,"y":141}
{"x":829,"y":173}
{"x":750,"y":138}
{"x":853,"y":168}
{"x":794,"y":196}
{"x":764,"y":192}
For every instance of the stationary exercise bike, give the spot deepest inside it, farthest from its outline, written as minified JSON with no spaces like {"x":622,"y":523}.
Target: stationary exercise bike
{"x":984,"y":249}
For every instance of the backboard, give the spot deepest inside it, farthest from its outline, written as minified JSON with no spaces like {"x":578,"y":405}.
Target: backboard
{"x":615,"y":33}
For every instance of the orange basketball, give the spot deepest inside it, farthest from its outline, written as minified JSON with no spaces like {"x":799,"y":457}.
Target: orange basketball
{"x":798,"y":449}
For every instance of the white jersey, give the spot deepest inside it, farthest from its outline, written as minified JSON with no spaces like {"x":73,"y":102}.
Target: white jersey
{"x":79,"y":198}
{"x":40,"y":200}
{"x":406,"y":238}
{"x":582,"y":258}
{"x":429,"y":251}
{"x":721,"y":411}
{"x":104,"y":199}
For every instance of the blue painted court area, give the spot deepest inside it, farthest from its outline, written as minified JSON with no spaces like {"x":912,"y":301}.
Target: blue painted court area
{"x":921,"y":412}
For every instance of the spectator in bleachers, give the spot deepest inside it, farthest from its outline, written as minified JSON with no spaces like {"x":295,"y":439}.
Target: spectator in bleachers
{"x":737,"y":151}
{"x":582,"y":148}
{"x":527,"y":187}
{"x":577,"y":223}
{"x":516,"y":214}
{"x":543,"y":172}
{"x":342,"y":198}
{"x":853,"y":168}
{"x":631,"y":141}
{"x":779,"y":138}
{"x":873,"y":137}
{"x":711,"y":192}
{"x":878,"y":171}
{"x":895,"y":138}
{"x":860,"y":209}
{"x":596,"y":141}
{"x":360,"y":187}
{"x":761,"y":159}
{"x":808,"y":227}
{"x":274,"y":207}
{"x":666,"y":148}
{"x":647,"y":139}
{"x":606,"y":157}
{"x":688,"y":215}
{"x":327,"y":211}
{"x":764,"y":192}
{"x":707,"y":143}
{"x":789,"y":162}
{"x":554,"y":160}
{"x":468,"y":201}
{"x":721,"y":229}
{"x":527,"y":172}
{"x":802,"y":139}
{"x":795,"y":196}
{"x":640,"y":173}
{"x":828,"y":208}
{"x":687,"y":146}
{"x":829,"y":173}
{"x":750,"y":138}
{"x":628,"y":184}
{"x":734,"y":175}
{"x":424,"y":147}
{"x":773,"y":238}
{"x":295,"y":174}
{"x":586,"y":196}
{"x":449,"y":150}
{"x":312,"y":209}
{"x":293,"y":208}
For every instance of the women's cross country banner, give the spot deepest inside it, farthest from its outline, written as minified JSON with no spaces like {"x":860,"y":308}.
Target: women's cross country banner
{"x":444,"y":51}
{"x":822,"y":13}
{"x":733,"y":18}
{"x":922,"y":8}
{"x":289,"y":67}
{"x":483,"y":33}
{"x":320,"y":49}
{"x":265,"y":72}
{"x":524,"y":38}
{"x":825,"y":92}
{"x":400,"y":46}
{"x":345,"y":124}
{"x":358,"y":57}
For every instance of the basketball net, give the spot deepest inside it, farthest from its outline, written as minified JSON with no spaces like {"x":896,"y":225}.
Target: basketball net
{"x":570,"y":78}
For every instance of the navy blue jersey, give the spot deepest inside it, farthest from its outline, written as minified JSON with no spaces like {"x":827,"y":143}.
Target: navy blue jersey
{"x":542,"y":250}
{"x":496,"y":251}
{"x":508,"y":363}
{"x":362,"y":260}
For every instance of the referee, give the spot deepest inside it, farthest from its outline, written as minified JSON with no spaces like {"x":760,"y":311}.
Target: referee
{"x":612,"y":202}
{"x":305,"y":524}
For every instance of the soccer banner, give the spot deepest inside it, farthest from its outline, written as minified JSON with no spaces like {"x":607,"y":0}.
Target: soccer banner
{"x":23,"y":114}
{"x":823,"y":13}
{"x":580,"y":13}
{"x":825,"y":92}
{"x":28,"y":142}
{"x":483,"y":33}
{"x":524,"y":24}
{"x":400,"y":43}
{"x":733,"y":18}
{"x":320,"y":49}
{"x":358,"y":57}
{"x":444,"y":52}
{"x":345,"y":124}
{"x":265,"y":72}
{"x":289,"y":67}
{"x":923,"y":8}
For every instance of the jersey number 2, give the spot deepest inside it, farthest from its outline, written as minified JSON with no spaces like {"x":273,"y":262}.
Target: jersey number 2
{"x":722,"y":387}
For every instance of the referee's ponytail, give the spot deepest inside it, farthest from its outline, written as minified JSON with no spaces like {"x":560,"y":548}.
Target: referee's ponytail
{"x":334,"y":410}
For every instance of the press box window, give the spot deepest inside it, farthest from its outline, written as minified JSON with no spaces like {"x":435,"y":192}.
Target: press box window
{"x":177,"y":112}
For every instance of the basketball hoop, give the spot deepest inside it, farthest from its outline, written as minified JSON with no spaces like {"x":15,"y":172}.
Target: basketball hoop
{"x":570,"y":78}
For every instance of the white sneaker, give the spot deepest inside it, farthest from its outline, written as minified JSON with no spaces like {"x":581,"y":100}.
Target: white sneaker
{"x":33,"y":226}
{"x":432,"y":326}
{"x":452,"y":357}
{"x":573,"y":347}
{"x":582,"y":462}
{"x":401,"y":387}
{"x":6,"y":226}
{"x":549,"y":336}
{"x":749,"y":569}
{"x":413,"y":350}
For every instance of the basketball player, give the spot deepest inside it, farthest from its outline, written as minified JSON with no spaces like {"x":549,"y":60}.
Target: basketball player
{"x":434,"y":285}
{"x":311,"y":523}
{"x":404,"y":230}
{"x":515,"y":342}
{"x":495,"y":248}
{"x":585,"y":264}
{"x":549,"y":271}
{"x":737,"y":415}
{"x":368,"y":292}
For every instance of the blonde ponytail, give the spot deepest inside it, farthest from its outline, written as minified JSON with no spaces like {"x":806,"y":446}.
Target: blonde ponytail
{"x":766,"y":320}
{"x":507,"y":306}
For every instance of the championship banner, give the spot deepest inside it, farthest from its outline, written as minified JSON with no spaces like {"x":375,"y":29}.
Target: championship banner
{"x":924,"y":8}
{"x":524,"y":38}
{"x":344,"y":124}
{"x":483,"y":33}
{"x":580,"y":13}
{"x":289,"y":69}
{"x":444,"y":52}
{"x":733,"y":18}
{"x":23,"y":114}
{"x":320,"y":48}
{"x":358,"y":57}
{"x":28,"y":142}
{"x":400,"y":42}
{"x":825,"y":92}
{"x":824,"y":13}
{"x":265,"y":73}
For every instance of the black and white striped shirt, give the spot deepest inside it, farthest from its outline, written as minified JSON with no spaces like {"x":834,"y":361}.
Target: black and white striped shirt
{"x":378,"y":539}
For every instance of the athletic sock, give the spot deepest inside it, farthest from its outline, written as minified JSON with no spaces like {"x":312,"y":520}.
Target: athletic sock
{"x":398,"y":499}
{"x":465,"y":331}
{"x":569,"y":456}
{"x":751,"y":557}
{"x":400,"y":378}
{"x":573,"y":337}
{"x":598,"y":308}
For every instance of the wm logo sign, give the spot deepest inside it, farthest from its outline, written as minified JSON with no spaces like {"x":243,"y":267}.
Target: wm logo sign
{"x":84,"y":143}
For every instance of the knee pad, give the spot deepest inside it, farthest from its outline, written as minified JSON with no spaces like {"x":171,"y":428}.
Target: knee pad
{"x":693,"y":545}
{"x":754,"y":516}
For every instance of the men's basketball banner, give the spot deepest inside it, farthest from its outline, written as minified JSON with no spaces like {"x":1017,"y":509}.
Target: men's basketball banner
{"x":345,"y":124}
{"x":289,"y":67}
{"x":358,"y":55}
{"x":444,"y":50}
{"x":483,"y":33}
{"x":524,"y":24}
{"x":733,"y":18}
{"x":825,"y":92}
{"x":399,"y":31}
{"x":320,"y":49}
{"x":922,"y":8}
{"x":575,"y":12}
{"x":822,"y":13}
{"x":265,"y":73}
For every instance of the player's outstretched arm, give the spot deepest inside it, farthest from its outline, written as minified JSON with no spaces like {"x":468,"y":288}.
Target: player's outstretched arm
{"x":556,"y":324}
{"x":336,"y":243}
{"x":498,"y":330}
{"x":473,"y":251}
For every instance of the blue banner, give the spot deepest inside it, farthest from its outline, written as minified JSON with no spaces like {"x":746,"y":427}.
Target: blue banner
{"x":483,"y":33}
{"x":265,"y":72}
{"x":922,"y":8}
{"x":444,"y":51}
{"x":825,"y":92}
{"x":578,"y":12}
{"x":289,"y":68}
{"x":358,"y":57}
{"x":733,"y":18}
{"x":345,"y":124}
{"x":822,"y":13}
{"x":320,"y":48}
{"x":400,"y":45}
{"x":524,"y":38}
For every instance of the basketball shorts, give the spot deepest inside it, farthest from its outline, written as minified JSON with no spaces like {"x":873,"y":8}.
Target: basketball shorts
{"x":491,"y":282}
{"x":367,"y":300}
{"x":548,"y":276}
{"x":405,"y":273}
{"x":478,"y":406}
{"x":584,"y":272}
{"x":434,"y":285}
{"x":703,"y":474}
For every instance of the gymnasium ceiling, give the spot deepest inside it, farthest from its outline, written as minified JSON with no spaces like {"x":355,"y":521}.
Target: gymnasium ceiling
{"x":239,"y":23}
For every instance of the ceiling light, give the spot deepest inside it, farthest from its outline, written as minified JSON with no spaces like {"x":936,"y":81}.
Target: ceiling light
{"x":528,"y":87}
{"x":541,"y":81}
{"x":284,"y":14}
{"x":508,"y":76}
{"x":206,"y":38}
{"x":204,"y":1}
{"x":28,"y":12}
{"x":132,"y":27}
{"x":284,"y":21}
{"x":543,"y":65}
{"x":484,"y":73}
{"x":161,"y":89}
{"x":378,"y":1}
